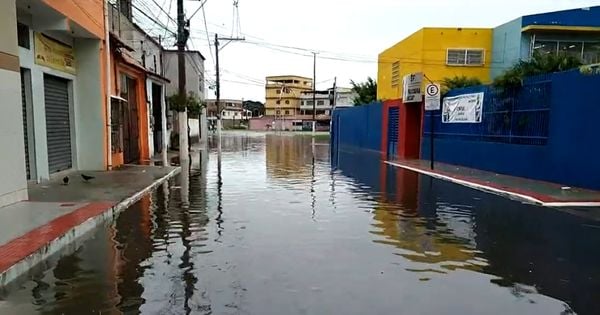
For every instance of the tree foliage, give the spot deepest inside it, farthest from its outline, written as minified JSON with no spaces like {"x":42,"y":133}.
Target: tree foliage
{"x":366,"y":91}
{"x":458,"y":82}
{"x":537,"y":65}
{"x":191,"y":102}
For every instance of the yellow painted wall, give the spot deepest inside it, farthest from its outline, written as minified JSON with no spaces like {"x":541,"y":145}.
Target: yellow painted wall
{"x":426,"y":51}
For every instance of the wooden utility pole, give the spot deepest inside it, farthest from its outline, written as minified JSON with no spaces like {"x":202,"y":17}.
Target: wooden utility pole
{"x":182,"y":116}
{"x":218,"y":83}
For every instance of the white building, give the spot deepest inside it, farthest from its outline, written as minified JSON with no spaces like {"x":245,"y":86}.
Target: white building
{"x":344,"y":97}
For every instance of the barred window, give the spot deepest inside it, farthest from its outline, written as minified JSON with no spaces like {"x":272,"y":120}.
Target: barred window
{"x":465,"y":57}
{"x":395,"y":73}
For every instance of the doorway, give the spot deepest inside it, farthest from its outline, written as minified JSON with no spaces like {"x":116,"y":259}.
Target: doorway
{"x":131,"y":145}
{"x":157,"y":114}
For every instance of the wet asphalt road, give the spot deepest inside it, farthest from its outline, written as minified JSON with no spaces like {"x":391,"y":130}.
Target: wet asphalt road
{"x":274,"y":225}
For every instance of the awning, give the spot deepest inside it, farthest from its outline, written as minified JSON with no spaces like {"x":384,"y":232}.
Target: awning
{"x":560,"y":29}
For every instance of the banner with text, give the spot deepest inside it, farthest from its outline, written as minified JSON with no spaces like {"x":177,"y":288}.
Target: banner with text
{"x":466,"y":108}
{"x":54,"y":54}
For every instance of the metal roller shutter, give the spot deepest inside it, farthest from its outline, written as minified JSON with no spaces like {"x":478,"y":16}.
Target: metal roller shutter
{"x":393,"y":118}
{"x":26,"y":141}
{"x":58,"y":124}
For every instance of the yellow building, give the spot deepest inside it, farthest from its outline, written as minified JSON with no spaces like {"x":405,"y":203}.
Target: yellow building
{"x":283,"y":94}
{"x":438,"y":53}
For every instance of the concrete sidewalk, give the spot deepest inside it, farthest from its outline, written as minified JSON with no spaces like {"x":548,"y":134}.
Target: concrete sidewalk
{"x":522,"y":189}
{"x":56,"y":215}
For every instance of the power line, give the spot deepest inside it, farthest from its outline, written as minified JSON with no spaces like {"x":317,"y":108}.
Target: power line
{"x":207,"y":36}
{"x":152,"y":19}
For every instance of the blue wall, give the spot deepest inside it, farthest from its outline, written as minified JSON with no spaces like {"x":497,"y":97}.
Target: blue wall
{"x":358,"y":127}
{"x":506,"y":46}
{"x":576,"y":17}
{"x":571,"y":155}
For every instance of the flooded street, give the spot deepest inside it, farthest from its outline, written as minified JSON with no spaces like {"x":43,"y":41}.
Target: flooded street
{"x":277,"y":225}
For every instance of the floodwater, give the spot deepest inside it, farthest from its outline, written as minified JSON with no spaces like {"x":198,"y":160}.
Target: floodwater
{"x":272,"y":226}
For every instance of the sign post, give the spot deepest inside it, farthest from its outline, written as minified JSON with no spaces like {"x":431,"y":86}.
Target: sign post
{"x":432,"y":102}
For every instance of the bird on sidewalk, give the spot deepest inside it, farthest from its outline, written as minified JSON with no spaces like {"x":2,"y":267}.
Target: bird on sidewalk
{"x":87,"y":178}
{"x":66,"y":180}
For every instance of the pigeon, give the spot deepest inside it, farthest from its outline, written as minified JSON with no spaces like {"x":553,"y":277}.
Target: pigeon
{"x":66,"y":180}
{"x":87,"y":177}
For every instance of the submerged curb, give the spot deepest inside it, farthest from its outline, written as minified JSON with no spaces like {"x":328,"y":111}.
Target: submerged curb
{"x":497,"y":191}
{"x":29,"y":250}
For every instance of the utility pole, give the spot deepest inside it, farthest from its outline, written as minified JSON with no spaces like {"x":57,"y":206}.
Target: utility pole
{"x":181,"y":40}
{"x":334,"y":93}
{"x":218,"y":84}
{"x":314,"y":118}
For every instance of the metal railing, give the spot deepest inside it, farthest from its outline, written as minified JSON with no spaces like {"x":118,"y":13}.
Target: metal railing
{"x":517,"y":116}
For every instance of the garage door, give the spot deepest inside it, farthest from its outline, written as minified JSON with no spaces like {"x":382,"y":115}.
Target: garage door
{"x":58,"y":123}
{"x":26,"y":141}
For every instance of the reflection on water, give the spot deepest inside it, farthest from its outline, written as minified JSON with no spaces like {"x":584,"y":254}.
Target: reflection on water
{"x":268,"y":225}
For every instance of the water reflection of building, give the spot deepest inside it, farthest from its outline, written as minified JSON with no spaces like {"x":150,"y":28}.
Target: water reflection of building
{"x":291,"y":157}
{"x":525,"y":248}
{"x":406,"y":218}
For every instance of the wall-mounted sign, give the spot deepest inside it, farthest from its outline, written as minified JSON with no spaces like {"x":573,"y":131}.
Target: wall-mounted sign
{"x":432,"y":97}
{"x":412,"y":88}
{"x":53,"y":54}
{"x":466,"y":108}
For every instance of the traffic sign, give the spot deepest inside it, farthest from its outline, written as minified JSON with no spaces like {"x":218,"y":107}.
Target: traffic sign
{"x":432,"y":97}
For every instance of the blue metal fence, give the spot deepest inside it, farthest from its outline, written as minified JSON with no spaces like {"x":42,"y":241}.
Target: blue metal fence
{"x":517,"y":116}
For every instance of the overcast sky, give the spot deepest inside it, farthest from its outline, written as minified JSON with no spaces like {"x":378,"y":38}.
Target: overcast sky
{"x":354,"y":30}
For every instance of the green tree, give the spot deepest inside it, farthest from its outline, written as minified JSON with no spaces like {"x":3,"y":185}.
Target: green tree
{"x":366,"y":91}
{"x":537,"y":65}
{"x":458,"y":82}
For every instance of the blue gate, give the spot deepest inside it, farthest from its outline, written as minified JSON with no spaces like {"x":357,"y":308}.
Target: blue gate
{"x":392,"y":144}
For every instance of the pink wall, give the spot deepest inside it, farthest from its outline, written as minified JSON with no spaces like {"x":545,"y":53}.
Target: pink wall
{"x":261,"y":123}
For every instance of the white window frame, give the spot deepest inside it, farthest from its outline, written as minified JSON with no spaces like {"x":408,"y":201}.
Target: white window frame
{"x":466,"y":57}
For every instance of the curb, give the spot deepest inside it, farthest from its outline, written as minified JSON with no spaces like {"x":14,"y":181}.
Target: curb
{"x":497,"y":191}
{"x":74,"y":233}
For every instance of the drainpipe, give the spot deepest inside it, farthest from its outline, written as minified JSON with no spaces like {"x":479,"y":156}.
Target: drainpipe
{"x":108,"y":87}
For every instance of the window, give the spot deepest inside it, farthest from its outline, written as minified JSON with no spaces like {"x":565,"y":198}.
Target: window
{"x":116,"y":130}
{"x":278,"y":102}
{"x":278,"y":112}
{"x":23,"y":35}
{"x":545,"y":47}
{"x":320,"y":102}
{"x":395,"y":74}
{"x":287,"y":112}
{"x":591,"y":53}
{"x":287,"y":101}
{"x":303,"y":103}
{"x":587,"y":52}
{"x":278,"y":91}
{"x":465,"y":57}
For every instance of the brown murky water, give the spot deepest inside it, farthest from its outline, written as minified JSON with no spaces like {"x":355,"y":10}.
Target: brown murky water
{"x":273,"y":227}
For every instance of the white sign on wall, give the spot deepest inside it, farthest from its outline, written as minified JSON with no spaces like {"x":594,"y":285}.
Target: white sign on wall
{"x":466,"y":108}
{"x":432,"y":97}
{"x":412,"y":88}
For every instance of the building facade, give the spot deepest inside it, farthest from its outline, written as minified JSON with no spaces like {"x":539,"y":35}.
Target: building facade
{"x":486,"y":53}
{"x":437,"y":52}
{"x":52,"y":73}
{"x":571,"y":32}
{"x":283,"y":94}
